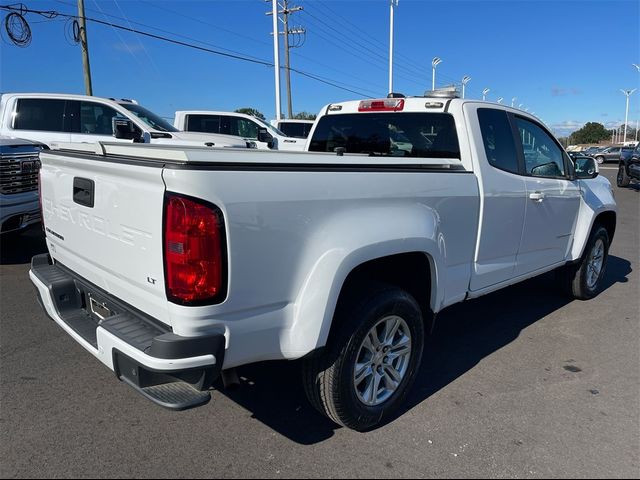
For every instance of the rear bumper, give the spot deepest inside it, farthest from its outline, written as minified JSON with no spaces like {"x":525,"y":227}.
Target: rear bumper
{"x":141,"y":351}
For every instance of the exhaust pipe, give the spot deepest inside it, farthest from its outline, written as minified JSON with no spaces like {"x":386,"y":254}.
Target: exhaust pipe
{"x":230,"y":379}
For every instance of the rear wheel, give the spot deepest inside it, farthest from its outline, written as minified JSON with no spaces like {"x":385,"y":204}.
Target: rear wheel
{"x":367,"y":370}
{"x":584,"y":279}
{"x":600,"y":160}
{"x":623,"y":179}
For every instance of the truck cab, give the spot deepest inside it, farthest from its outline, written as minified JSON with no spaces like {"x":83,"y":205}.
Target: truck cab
{"x":293,"y":127}
{"x":61,"y":118}
{"x":252,"y":129}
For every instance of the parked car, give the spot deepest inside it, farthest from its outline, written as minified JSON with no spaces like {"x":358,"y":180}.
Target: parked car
{"x":253,"y":129}
{"x":610,"y":154}
{"x":172,"y":265}
{"x":629,"y":167}
{"x":19,"y":166}
{"x":592,"y":150}
{"x":50,"y":118}
{"x":294,"y":128}
{"x":574,"y":154}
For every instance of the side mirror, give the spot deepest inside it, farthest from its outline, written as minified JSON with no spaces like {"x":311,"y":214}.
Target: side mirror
{"x":586,"y":167}
{"x":124,"y":128}
{"x":265,"y":137}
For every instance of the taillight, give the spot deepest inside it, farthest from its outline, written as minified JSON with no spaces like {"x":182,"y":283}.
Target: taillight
{"x":194,"y":251}
{"x":386,"y":105}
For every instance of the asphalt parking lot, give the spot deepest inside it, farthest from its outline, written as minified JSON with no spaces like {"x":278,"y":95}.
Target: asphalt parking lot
{"x":520,"y":383}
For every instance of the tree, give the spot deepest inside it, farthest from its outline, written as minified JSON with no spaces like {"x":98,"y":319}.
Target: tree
{"x":304,"y":116}
{"x":251,"y":111}
{"x":592,"y":132}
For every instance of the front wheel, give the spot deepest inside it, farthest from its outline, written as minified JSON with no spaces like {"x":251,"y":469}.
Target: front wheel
{"x":600,"y":160}
{"x":623,"y":179}
{"x":584,"y":279}
{"x":368,"y":368}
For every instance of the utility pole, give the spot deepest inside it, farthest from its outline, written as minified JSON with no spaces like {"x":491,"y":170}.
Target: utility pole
{"x":285,"y":12}
{"x":85,"y":48}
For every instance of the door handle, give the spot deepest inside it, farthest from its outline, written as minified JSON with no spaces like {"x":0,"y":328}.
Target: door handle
{"x":537,"y":196}
{"x":83,"y":191}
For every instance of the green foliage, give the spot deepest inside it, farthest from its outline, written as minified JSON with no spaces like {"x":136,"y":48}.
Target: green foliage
{"x":251,"y":111}
{"x":304,"y":116}
{"x":592,"y":132}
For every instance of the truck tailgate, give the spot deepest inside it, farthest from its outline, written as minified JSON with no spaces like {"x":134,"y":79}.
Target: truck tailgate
{"x":103,"y":220}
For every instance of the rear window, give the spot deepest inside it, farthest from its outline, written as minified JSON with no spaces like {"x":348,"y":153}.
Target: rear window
{"x":204,"y":123}
{"x":42,"y":114}
{"x":295,"y":130}
{"x":422,"y":135}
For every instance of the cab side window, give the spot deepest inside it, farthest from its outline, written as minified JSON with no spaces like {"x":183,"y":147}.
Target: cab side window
{"x":497,"y":136}
{"x":542,"y":156}
{"x":96,"y":118}
{"x":42,"y":114}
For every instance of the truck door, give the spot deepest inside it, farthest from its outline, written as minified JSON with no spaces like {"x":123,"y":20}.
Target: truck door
{"x":553,"y":200}
{"x":92,"y":122}
{"x":502,"y":196}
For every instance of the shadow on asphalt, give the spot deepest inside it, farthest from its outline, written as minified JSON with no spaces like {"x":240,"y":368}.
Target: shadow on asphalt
{"x":465,"y":334}
{"x":18,"y":248}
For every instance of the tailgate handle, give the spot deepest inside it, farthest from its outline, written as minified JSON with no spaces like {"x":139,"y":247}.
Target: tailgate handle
{"x":83,"y":191}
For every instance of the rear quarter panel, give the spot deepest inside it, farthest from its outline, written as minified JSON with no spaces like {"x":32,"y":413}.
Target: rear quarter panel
{"x":294,"y":236}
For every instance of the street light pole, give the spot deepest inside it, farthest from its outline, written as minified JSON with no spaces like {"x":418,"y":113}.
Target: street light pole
{"x":627,"y":94}
{"x":276,"y":57}
{"x":500,"y":100}
{"x":484,"y":93}
{"x":434,"y":63}
{"x":513,"y":101}
{"x":394,"y":3}
{"x":466,"y":79}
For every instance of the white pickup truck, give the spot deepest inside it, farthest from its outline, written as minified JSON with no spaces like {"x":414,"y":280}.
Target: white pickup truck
{"x":49,"y":118}
{"x":252,"y":129}
{"x":171,"y":264}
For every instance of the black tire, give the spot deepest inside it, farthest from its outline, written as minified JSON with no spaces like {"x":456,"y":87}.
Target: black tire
{"x":623,"y":179}
{"x":575,"y":277}
{"x":600,"y":160}
{"x":328,"y":377}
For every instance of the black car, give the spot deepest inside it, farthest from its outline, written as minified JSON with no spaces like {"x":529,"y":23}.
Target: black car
{"x":629,"y":168}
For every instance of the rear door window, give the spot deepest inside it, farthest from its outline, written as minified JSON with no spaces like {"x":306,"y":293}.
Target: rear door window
{"x":296,"y":130}
{"x":204,"y":123}
{"x":423,"y":135}
{"x":497,"y":137}
{"x":42,"y":114}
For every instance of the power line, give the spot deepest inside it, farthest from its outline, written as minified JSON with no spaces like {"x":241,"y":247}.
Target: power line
{"x":241,"y":57}
{"x":380,"y":64}
{"x":139,"y":41}
{"x":408,"y":68}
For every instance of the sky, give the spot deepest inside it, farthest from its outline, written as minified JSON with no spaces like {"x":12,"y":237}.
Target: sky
{"x":565,"y":60}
